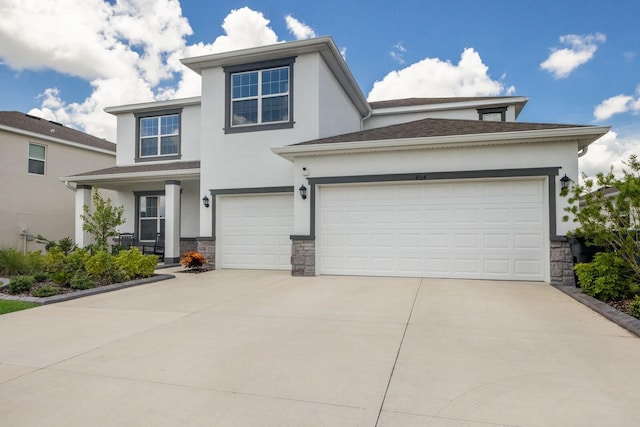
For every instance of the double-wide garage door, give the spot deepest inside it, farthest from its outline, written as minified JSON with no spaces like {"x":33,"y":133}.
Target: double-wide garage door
{"x":491,"y":229}
{"x":254,"y":231}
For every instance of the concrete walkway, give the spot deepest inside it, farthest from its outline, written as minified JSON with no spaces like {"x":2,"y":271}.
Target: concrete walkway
{"x":260,"y":348}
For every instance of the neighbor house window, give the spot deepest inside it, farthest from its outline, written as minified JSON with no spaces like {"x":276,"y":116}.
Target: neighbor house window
{"x":37,"y":157}
{"x":150,"y":217}
{"x":259,"y":96}
{"x":158,"y":135}
{"x":493,"y":114}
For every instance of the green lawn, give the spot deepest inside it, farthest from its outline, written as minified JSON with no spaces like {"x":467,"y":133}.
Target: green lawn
{"x":9,"y":306}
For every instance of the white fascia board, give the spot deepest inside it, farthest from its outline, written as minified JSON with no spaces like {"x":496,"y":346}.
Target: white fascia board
{"x":446,"y":106}
{"x":583,"y":135}
{"x":134,"y":176}
{"x":154,"y":105}
{"x":256,"y":54}
{"x":40,"y":136}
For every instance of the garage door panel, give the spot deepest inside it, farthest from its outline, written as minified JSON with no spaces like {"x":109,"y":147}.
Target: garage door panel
{"x":254,"y":231}
{"x":484,"y":229}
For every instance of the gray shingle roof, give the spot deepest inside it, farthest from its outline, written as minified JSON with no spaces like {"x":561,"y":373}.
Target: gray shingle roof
{"x":144,"y":167}
{"x":426,"y":128}
{"x":25,"y":122}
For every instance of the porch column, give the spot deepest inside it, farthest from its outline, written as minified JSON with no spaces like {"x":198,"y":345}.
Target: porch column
{"x":83,"y":197}
{"x":172,"y":222}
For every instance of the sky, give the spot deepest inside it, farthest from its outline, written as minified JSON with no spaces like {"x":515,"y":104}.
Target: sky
{"x":578,"y":61}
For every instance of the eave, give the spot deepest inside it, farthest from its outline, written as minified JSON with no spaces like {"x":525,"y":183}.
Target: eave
{"x":583,"y":136}
{"x":35,"y":135}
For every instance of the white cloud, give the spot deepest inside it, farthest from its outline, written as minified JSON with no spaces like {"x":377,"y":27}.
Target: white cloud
{"x":433,"y":77}
{"x":129,"y":51}
{"x":300,"y":30}
{"x":616,"y":105}
{"x":561,"y":62}
{"x":397,"y":54}
{"x":610,"y":150}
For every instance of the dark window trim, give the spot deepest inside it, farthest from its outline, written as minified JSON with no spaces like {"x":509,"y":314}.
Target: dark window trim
{"x":157,"y":113}
{"x":549,"y":172}
{"x":238,"y":191}
{"x":256,"y":66}
{"x":137,"y":195}
{"x":501,"y":110}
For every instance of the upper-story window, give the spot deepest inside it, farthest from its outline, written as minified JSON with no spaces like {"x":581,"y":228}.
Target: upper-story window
{"x":37,"y":158}
{"x":259,"y":96}
{"x":158,"y":136}
{"x":493,"y":114}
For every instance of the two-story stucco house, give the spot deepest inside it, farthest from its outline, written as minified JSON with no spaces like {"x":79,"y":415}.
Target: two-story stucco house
{"x":34,"y":154}
{"x":283,"y":164}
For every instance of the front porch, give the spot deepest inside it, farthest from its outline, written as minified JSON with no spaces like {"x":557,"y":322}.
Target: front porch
{"x":162,"y":204}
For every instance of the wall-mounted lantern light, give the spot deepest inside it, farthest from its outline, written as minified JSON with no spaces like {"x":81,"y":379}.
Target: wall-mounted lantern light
{"x":205,"y":201}
{"x":564,"y":182}
{"x":303,"y":192}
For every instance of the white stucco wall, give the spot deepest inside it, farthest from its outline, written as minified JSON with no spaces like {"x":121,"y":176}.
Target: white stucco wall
{"x":245,"y":160}
{"x":516,"y":156}
{"x":337,"y":114}
{"x":189,"y":138}
{"x":376,"y":121}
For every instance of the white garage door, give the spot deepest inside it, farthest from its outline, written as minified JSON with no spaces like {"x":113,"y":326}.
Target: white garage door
{"x":457,"y":229}
{"x":253,"y":231}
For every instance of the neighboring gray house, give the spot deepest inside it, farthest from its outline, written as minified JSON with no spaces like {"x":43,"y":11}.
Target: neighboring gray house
{"x":283,"y":164}
{"x":34,"y":154}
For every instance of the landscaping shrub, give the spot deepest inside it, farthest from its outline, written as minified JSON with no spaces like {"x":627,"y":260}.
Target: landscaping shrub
{"x":134,"y":264}
{"x":607,"y":278}
{"x":54,"y":260}
{"x":193,"y":259}
{"x":82,"y":282}
{"x":66,"y":245}
{"x":40,"y":276}
{"x":76,"y":261}
{"x":61,"y":277}
{"x":634,"y":307}
{"x":101,"y":266}
{"x":45,"y":291}
{"x":20,"y":284}
{"x":35,"y":261}
{"x":12,"y":262}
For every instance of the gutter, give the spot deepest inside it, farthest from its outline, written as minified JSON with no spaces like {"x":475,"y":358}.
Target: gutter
{"x":590,"y":133}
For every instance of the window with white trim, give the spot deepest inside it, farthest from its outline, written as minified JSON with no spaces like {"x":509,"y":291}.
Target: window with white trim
{"x":37,"y":158}
{"x":259,"y":96}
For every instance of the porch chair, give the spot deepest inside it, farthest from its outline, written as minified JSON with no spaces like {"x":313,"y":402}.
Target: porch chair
{"x":124,"y":242}
{"x":156,"y":249}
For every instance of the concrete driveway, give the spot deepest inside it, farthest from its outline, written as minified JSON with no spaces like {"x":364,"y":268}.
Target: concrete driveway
{"x":261,"y":348}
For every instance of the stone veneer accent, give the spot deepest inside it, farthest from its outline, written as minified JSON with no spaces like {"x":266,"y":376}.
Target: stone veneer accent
{"x":207,"y":247}
{"x":303,"y":257}
{"x":188,"y":244}
{"x":561,"y":264}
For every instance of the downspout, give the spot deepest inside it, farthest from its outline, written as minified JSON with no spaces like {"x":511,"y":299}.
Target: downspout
{"x":365,"y":118}
{"x":70,"y":186}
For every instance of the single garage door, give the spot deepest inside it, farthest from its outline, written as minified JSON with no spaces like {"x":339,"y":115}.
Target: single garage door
{"x":253,"y":231}
{"x":491,"y":229}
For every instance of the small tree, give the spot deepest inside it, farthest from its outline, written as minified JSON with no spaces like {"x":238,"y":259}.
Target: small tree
{"x":610,"y":219}
{"x":102,"y":222}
